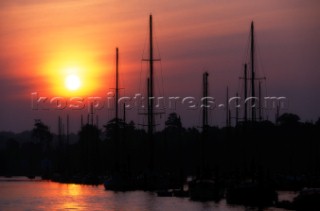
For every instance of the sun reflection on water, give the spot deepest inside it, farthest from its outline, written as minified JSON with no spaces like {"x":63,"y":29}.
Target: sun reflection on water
{"x":44,"y":195}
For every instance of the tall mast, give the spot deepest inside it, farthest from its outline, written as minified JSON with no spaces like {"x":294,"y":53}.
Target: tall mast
{"x":150,"y":98}
{"x":204,"y":121}
{"x":253,"y":115}
{"x":205,"y":95}
{"x":150,"y":93}
{"x":150,"y":83}
{"x":117,"y":144}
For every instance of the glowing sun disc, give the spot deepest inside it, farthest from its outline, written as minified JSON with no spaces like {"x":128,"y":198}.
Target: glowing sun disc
{"x":72,"y":82}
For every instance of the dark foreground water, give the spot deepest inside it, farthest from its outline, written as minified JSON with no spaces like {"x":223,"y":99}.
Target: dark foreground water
{"x":34,"y":195}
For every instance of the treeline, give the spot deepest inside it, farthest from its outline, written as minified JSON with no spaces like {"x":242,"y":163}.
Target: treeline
{"x":287,"y":150}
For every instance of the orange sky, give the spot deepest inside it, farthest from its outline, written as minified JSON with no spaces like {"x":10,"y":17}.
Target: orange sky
{"x":41,"y":40}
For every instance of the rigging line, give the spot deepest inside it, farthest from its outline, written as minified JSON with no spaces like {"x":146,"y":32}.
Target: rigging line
{"x":245,"y":61}
{"x":246,"y":52}
{"x":163,"y":93}
{"x":161,"y":69}
{"x":142,"y":56}
{"x":266,"y":94}
{"x":239,"y":84}
{"x":146,"y":77}
{"x":158,"y":76}
{"x":258,"y":57}
{"x":260,"y":61}
{"x":122,"y":81}
{"x":157,"y":46}
{"x":145,"y":43}
{"x":262,"y":71}
{"x":142,"y":85}
{"x":158,"y":83}
{"x":140,"y":78}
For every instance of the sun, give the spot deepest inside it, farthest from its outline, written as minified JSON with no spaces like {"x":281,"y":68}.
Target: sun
{"x":72,"y":82}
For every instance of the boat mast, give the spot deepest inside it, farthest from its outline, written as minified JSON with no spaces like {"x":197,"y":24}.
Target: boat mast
{"x":150,"y":93}
{"x":253,"y":115}
{"x":150,"y":97}
{"x":150,"y":83}
{"x":205,"y":95}
{"x":204,"y":122}
{"x":117,"y":140}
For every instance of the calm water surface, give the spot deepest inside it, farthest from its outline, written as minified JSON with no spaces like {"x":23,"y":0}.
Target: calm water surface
{"x":24,"y":194}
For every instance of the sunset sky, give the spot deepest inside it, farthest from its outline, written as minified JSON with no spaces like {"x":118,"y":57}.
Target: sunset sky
{"x":44,"y":41}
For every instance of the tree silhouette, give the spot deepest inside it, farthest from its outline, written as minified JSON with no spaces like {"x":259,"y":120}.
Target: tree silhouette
{"x":288,"y":119}
{"x":173,"y":121}
{"x":42,"y":134}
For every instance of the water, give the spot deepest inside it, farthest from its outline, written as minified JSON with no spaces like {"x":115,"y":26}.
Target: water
{"x":36,"y":195}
